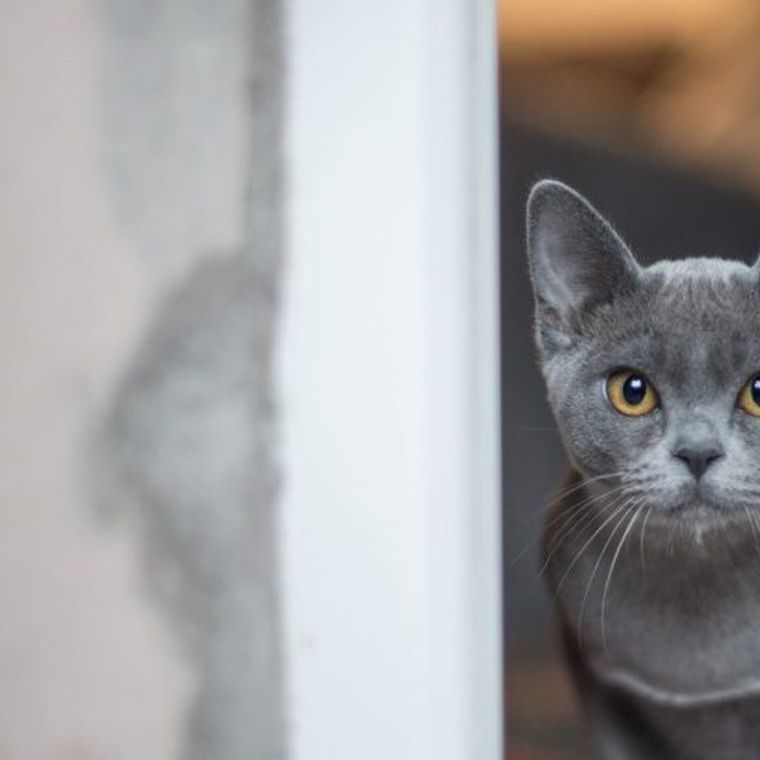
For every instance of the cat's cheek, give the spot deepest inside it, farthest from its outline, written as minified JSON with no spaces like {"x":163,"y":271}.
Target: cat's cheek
{"x":592,"y":448}
{"x":585,"y":449}
{"x":747,"y":428}
{"x":629,"y":443}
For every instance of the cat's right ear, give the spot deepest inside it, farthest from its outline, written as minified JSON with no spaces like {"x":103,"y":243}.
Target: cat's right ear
{"x":577,"y":262}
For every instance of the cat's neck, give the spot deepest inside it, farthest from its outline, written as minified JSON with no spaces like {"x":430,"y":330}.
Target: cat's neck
{"x":647,"y":596}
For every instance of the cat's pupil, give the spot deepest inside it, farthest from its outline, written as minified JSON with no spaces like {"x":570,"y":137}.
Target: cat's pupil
{"x":756,"y":390}
{"x":635,"y":388}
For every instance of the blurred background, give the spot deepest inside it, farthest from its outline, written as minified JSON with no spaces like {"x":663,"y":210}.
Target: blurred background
{"x":652,"y":110}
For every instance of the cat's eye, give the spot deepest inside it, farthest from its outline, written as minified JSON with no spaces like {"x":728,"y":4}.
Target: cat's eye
{"x":749,"y":397}
{"x":630,"y":393}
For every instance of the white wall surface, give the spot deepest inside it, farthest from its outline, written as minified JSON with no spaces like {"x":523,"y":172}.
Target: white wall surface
{"x":123,"y":160}
{"x":87,"y":667}
{"x":388,"y":382}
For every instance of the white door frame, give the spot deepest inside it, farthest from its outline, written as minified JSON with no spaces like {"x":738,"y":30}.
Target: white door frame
{"x":388,"y":377}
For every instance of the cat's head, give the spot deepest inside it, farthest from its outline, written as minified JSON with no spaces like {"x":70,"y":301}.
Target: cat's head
{"x":653,"y":373}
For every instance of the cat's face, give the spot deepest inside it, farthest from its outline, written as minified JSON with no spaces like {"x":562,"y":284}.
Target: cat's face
{"x":649,"y":370}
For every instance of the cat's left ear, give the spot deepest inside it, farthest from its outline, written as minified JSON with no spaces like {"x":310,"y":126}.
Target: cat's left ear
{"x":577,"y":261}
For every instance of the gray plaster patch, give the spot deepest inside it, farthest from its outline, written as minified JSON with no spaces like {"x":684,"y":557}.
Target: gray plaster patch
{"x":190,"y":439}
{"x":176,"y":121}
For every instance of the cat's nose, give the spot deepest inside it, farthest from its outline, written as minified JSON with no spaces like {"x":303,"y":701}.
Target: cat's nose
{"x":698,"y":457}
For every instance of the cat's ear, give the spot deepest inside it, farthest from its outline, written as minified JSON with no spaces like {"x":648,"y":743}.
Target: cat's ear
{"x":577,"y":261}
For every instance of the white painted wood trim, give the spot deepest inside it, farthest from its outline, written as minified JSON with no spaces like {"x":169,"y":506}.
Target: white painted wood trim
{"x":388,"y":375}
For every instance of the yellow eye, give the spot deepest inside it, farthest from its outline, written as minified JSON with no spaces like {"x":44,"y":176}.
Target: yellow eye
{"x":630,"y":393}
{"x":749,"y":397}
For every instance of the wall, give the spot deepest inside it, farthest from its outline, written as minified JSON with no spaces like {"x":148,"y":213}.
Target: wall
{"x":248,"y":416}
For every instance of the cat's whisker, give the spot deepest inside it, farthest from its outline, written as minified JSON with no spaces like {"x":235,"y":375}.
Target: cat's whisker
{"x":584,"y":547}
{"x":642,"y":548}
{"x":596,"y":568}
{"x":565,"y":492}
{"x":572,"y":525}
{"x":575,"y":511}
{"x":582,"y":519}
{"x":578,"y":517}
{"x":621,"y":543}
{"x":755,"y":526}
{"x":671,"y":538}
{"x":584,"y":503}
{"x":752,"y":525}
{"x":567,"y":517}
{"x":756,"y":531}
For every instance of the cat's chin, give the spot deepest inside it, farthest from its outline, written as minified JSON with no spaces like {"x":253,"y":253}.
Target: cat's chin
{"x":698,"y":518}
{"x":703,"y":503}
{"x":701,"y":512}
{"x":698,"y":508}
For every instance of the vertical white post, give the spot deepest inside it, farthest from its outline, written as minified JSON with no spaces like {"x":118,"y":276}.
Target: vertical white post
{"x":388,"y":383}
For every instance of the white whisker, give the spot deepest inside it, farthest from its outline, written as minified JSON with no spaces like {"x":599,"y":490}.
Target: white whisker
{"x":584,"y":547}
{"x":565,"y":492}
{"x":582,"y":519}
{"x":612,"y":570}
{"x":567,"y":517}
{"x":642,"y":550}
{"x":596,"y":567}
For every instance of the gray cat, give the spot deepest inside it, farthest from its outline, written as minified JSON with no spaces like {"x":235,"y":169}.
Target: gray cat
{"x":652,"y":552}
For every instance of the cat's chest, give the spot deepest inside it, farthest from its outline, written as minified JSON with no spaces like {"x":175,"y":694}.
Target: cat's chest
{"x":674,"y":629}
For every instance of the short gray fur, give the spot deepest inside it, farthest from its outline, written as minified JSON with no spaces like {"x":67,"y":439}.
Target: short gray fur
{"x":655,"y":571}
{"x":191,"y":441}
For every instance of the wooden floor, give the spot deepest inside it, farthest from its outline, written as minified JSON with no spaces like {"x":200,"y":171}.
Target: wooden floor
{"x":544,"y":723}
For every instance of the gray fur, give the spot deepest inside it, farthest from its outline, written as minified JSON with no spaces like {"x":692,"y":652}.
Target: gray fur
{"x":191,"y":436}
{"x":655,"y":573}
